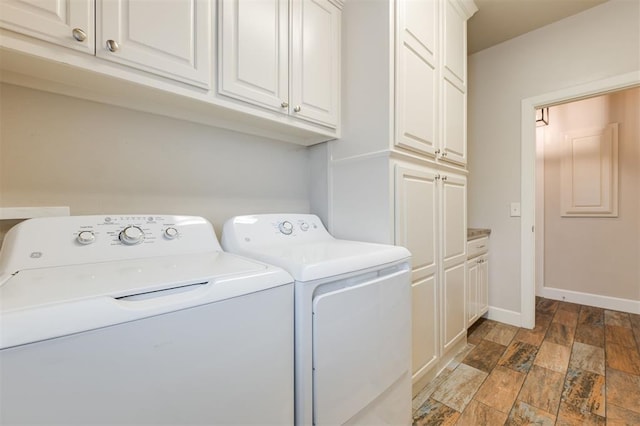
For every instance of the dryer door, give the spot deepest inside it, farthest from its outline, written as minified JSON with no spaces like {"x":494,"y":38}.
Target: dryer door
{"x":362,"y":349}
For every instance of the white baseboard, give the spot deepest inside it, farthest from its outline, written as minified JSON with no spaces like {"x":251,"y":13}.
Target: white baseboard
{"x":606,"y":302}
{"x":505,"y":316}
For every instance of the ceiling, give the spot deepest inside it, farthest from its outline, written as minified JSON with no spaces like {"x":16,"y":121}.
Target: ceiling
{"x":500,"y":20}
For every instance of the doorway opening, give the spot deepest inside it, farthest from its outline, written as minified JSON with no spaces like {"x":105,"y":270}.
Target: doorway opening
{"x":528,"y":174}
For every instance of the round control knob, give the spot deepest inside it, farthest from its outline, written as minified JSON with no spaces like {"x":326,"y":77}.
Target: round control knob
{"x":86,"y":237}
{"x":131,"y":235}
{"x":170,"y":233}
{"x":304,"y":226}
{"x":286,"y":227}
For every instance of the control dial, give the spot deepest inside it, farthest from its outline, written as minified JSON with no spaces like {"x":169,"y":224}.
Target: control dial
{"x":286,"y":227}
{"x":304,"y":226}
{"x":170,"y":233}
{"x":131,"y":235}
{"x":86,"y":237}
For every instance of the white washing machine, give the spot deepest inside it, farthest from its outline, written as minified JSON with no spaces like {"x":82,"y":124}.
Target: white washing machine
{"x":352,"y":318}
{"x":132,"y":319}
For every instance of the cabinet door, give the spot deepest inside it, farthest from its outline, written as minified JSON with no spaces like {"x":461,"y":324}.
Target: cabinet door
{"x":454,"y":84}
{"x":67,"y":23}
{"x":483,"y":285}
{"x":454,"y":323}
{"x":170,"y":38}
{"x":455,"y":42}
{"x":424,"y":326}
{"x":472,"y":291}
{"x":315,"y":61}
{"x":253,"y":55}
{"x":454,"y":123}
{"x":416,"y":214}
{"x":454,"y":219}
{"x":454,"y":256}
{"x":416,"y":80}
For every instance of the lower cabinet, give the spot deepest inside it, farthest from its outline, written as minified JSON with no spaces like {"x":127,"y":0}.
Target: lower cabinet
{"x":422,"y":207}
{"x":430,"y":218}
{"x":477,"y":280}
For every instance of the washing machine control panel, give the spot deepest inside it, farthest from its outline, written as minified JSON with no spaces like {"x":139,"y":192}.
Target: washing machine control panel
{"x":128,"y":230}
{"x":68,"y":240}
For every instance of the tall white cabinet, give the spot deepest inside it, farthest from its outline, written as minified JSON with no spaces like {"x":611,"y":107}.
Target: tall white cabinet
{"x":398,"y":174}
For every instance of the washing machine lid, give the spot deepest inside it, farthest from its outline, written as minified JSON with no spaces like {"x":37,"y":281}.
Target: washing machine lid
{"x":66,"y":275}
{"x":308,"y":252}
{"x":39,"y":304}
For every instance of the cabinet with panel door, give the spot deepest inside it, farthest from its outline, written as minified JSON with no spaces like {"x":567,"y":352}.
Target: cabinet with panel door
{"x":430,"y":215}
{"x":68,"y":24}
{"x":282,"y":55}
{"x":431,"y":79}
{"x":160,"y":57}
{"x":477,"y":279}
{"x":418,"y":71}
{"x":398,"y":173}
{"x":174,"y":43}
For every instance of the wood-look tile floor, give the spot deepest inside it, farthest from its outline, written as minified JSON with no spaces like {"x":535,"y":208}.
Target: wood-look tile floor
{"x":580,"y":365}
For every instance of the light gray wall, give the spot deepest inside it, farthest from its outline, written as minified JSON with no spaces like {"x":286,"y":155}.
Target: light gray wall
{"x":96,"y":158}
{"x":601,"y":42}
{"x":599,"y":256}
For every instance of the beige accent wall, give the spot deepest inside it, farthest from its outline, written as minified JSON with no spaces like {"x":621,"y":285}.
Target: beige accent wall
{"x":598,"y":256}
{"x":98,"y":159}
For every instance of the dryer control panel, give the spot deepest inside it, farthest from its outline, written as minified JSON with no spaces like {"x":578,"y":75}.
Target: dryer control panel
{"x":71,"y":240}
{"x":270,"y":229}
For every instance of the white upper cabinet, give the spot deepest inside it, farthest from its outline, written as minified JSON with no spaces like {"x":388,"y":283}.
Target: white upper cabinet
{"x":315,"y":61}
{"x":430,"y":78}
{"x":68,"y":23}
{"x":282,"y":55}
{"x":254,"y":52}
{"x":455,"y":42}
{"x":168,"y":38}
{"x":274,"y":70}
{"x":416,"y":102}
{"x":454,"y":84}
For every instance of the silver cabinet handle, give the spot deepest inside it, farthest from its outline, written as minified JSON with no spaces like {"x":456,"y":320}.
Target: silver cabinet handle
{"x":112,"y":45}
{"x":437,"y":177}
{"x":444,"y":178}
{"x":444,"y":154}
{"x":79,"y":35}
{"x":297,"y":108}
{"x":437,"y":151}
{"x":284,"y":104}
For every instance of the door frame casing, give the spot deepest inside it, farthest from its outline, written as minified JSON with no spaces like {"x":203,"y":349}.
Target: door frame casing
{"x":528,"y":175}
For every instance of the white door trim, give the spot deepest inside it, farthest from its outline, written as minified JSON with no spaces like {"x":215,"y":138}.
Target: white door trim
{"x":528,"y":174}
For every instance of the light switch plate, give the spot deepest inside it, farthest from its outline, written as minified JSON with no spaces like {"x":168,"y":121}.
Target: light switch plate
{"x":515,"y":210}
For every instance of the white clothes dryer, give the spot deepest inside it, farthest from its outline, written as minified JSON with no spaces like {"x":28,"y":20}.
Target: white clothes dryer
{"x":140,"y":319}
{"x":352,"y":318}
